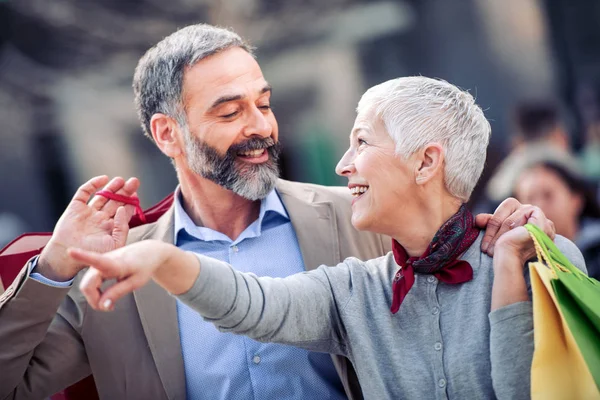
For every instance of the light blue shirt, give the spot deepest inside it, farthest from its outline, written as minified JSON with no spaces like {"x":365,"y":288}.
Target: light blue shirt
{"x":227,"y":366}
{"x":41,"y":278}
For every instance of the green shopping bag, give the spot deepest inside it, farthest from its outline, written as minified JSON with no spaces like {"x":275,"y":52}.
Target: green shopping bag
{"x":578,"y":298}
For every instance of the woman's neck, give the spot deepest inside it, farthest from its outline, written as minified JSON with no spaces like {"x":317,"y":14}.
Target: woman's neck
{"x":418,"y":226}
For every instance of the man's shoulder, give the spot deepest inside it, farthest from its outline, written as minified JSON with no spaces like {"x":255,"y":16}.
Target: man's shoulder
{"x":335,"y":194}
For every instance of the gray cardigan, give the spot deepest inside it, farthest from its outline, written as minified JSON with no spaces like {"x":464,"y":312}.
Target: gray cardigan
{"x":443,"y":343}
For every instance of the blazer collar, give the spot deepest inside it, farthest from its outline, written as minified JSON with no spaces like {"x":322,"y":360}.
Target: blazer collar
{"x":315,"y":224}
{"x":158,"y":313}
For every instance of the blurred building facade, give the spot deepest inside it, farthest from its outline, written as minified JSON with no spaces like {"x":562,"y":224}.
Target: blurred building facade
{"x":66,"y":103}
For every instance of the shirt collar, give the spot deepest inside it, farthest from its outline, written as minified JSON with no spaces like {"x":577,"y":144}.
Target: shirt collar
{"x":270,"y":204}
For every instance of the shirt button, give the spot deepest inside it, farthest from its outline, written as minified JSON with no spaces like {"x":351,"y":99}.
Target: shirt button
{"x":431,"y":279}
{"x":256,"y":359}
{"x":442,"y":383}
{"x":437,"y":346}
{"x":435,"y":310}
{"x":234,"y":248}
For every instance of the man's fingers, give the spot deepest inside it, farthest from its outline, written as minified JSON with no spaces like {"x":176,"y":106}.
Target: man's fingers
{"x":481,"y":220}
{"x":114,"y":185}
{"x":504,"y":210}
{"x":129,"y":189}
{"x":118,"y":290}
{"x":121,"y":226}
{"x":107,"y":267}
{"x":88,"y":189}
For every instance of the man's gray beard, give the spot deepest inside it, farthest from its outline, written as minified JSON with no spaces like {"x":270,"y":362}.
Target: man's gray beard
{"x":251,"y":181}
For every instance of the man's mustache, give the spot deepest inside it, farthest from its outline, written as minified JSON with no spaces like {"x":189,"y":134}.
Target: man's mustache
{"x":253,"y":144}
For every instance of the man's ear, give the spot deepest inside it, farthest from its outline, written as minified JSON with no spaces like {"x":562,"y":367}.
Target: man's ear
{"x":429,"y":163}
{"x":167,"y":135}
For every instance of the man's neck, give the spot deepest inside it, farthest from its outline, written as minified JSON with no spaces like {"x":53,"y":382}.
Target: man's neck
{"x":215,"y":207}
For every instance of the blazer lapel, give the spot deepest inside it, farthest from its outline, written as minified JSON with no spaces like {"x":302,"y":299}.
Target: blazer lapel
{"x":158,"y":312}
{"x":314,"y":223}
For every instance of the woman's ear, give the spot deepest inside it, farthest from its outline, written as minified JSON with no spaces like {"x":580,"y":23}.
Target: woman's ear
{"x":166,"y":135}
{"x":430,"y":163}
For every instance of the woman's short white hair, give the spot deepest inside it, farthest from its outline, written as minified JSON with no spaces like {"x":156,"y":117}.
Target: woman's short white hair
{"x":417,"y":111}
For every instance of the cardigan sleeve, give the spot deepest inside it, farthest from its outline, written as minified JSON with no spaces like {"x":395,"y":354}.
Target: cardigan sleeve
{"x":300,"y":310}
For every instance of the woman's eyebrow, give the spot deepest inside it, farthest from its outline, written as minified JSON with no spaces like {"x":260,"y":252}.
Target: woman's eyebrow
{"x":358,"y":129}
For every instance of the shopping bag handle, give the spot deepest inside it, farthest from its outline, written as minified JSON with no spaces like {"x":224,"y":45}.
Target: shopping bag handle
{"x":550,"y":254}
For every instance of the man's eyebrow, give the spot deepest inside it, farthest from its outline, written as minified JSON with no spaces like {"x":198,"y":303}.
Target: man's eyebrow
{"x":225,"y":99}
{"x":228,"y":98}
{"x":266,"y":89}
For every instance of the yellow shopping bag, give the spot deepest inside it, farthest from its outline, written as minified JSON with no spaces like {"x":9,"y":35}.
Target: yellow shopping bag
{"x":559,"y":370}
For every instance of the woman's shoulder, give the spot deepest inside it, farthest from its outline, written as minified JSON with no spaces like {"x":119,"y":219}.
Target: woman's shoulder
{"x":375,"y":266}
{"x":571,"y":251}
{"x":476,"y":257}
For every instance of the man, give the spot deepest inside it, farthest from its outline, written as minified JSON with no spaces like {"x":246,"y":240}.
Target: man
{"x":203,"y":100}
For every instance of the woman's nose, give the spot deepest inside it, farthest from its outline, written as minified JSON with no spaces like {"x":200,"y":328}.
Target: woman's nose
{"x":346,"y":164}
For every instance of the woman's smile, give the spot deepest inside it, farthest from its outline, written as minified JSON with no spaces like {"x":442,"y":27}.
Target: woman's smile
{"x":357,"y":191}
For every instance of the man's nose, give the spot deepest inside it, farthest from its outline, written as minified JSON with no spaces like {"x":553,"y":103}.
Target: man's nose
{"x":258,"y":124}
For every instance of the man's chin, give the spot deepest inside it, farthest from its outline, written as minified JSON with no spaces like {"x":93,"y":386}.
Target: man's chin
{"x":254,"y":187}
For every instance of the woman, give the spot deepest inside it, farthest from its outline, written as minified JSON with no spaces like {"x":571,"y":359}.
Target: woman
{"x":434,"y":318}
{"x":568,"y":201}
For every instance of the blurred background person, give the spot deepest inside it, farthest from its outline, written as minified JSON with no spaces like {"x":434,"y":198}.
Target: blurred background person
{"x":566,"y":199}
{"x":538,"y":131}
{"x":588,"y":101}
{"x":539,"y":123}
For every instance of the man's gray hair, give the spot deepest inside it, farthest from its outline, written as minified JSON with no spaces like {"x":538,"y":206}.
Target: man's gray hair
{"x":158,"y":78}
{"x":417,"y":111}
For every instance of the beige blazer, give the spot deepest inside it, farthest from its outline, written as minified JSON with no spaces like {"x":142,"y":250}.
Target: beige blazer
{"x":50,"y":338}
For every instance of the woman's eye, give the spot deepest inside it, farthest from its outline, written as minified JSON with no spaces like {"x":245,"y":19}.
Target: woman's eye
{"x":361,"y":142}
{"x":265,"y":107}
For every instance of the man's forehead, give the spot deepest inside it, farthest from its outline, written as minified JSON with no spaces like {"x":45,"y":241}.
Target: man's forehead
{"x":214,"y":93}
{"x":257,"y":86}
{"x":223,"y":71}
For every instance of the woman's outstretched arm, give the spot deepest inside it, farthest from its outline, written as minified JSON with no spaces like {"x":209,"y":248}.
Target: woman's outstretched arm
{"x":300,"y":310}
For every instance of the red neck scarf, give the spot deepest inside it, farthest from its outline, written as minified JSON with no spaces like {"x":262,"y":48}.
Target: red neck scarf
{"x":440,"y":259}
